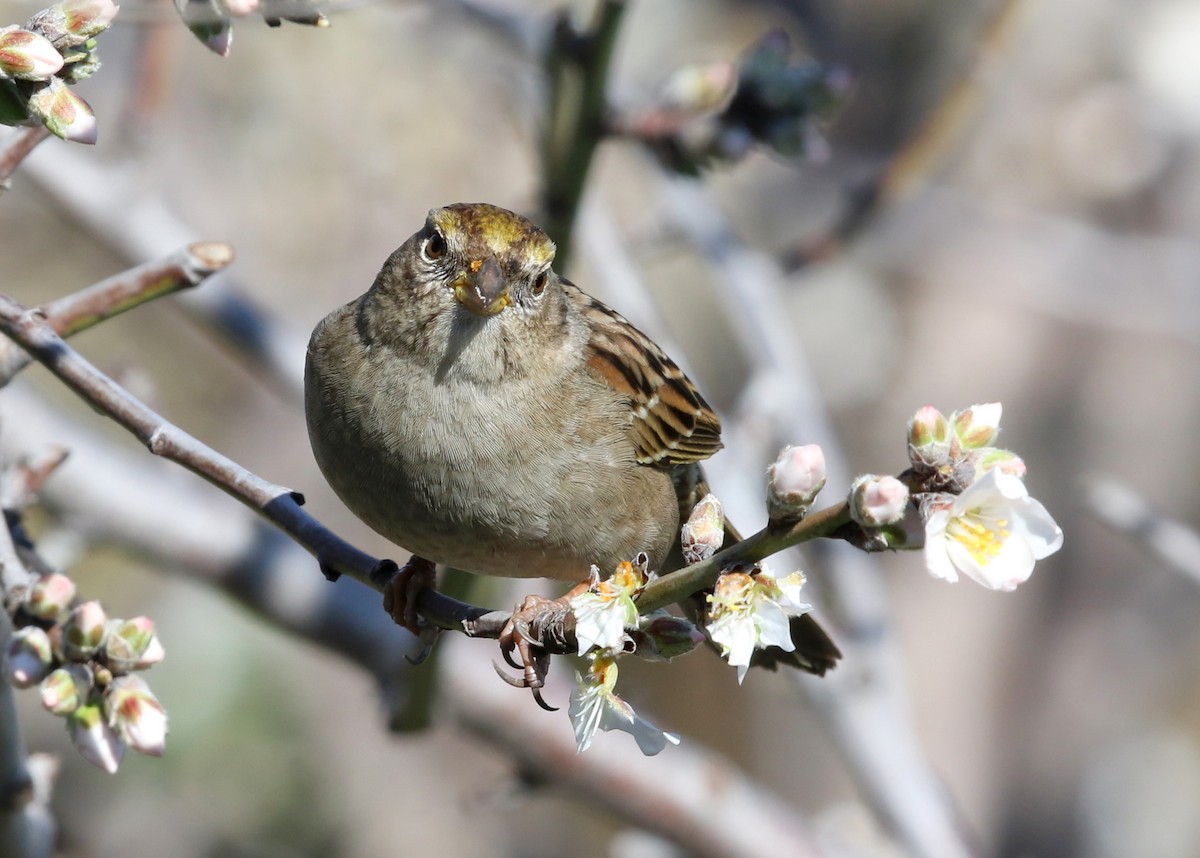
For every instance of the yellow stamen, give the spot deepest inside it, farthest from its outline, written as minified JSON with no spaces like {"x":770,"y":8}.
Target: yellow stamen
{"x":983,"y":539}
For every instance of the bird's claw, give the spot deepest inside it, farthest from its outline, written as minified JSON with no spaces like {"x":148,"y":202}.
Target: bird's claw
{"x":401,"y":592}
{"x":428,"y":636}
{"x":523,"y":634}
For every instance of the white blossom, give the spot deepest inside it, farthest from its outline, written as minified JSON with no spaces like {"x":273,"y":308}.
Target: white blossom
{"x":749,"y":610}
{"x":604,"y":610}
{"x":596,"y":706}
{"x":993,"y":533}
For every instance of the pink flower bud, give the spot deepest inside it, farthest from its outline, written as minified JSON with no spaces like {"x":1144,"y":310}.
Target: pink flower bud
{"x":66,"y":689}
{"x":136,"y":715}
{"x":50,"y":596}
{"x":63,"y":112}
{"x":794,"y":480}
{"x":928,"y":439}
{"x":977,"y":426}
{"x":88,"y":18}
{"x":84,"y":631}
{"x":698,"y":88}
{"x":26,"y":55}
{"x":1005,"y":461}
{"x":128,"y":643}
{"x":877,"y":501}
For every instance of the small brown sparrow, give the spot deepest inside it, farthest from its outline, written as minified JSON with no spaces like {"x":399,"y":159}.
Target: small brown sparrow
{"x":483,"y":412}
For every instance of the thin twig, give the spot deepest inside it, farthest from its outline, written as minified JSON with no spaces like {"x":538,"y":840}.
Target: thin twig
{"x":20,"y":144}
{"x":924,"y":154}
{"x":187,"y":267}
{"x":677,"y":586}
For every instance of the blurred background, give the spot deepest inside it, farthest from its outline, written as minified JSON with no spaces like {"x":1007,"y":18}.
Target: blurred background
{"x":1003,"y":207}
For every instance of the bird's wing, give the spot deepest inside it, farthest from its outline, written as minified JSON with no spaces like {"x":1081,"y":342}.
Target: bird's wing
{"x":671,"y":424}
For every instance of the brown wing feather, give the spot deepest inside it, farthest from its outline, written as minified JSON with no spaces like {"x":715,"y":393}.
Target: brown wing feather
{"x":671,"y":422}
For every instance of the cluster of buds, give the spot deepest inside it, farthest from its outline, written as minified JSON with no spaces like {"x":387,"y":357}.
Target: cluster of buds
{"x":83,"y":663}
{"x":607,"y":626}
{"x":979,"y":518}
{"x":39,"y":61}
{"x":716,"y":111}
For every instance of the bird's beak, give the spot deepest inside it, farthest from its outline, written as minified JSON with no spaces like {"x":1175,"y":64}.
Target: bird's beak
{"x":482,"y":288}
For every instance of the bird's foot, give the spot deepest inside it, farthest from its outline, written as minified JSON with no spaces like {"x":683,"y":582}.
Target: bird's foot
{"x":536,"y":624}
{"x":401,"y":592}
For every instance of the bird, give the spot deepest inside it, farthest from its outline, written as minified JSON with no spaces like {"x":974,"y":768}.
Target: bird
{"x":483,"y":412}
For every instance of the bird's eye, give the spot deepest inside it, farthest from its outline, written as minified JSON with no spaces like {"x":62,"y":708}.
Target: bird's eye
{"x":539,"y":283}
{"x":435,"y":246}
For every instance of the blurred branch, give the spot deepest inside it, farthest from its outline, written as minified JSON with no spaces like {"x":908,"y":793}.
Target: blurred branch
{"x":112,"y":202}
{"x":26,"y":829}
{"x":577,"y":66}
{"x":925,"y":153}
{"x":1130,"y":514}
{"x":20,"y":144}
{"x":183,"y":269}
{"x":690,"y":796}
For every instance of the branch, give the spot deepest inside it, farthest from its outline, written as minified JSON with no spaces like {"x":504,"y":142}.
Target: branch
{"x":1128,"y":513}
{"x":577,"y":66}
{"x":772,"y":539}
{"x":25,"y":829}
{"x":187,"y":267}
{"x":20,"y":145}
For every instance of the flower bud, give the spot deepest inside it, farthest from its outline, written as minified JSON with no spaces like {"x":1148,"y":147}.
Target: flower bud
{"x":794,"y":480}
{"x":977,"y":426}
{"x":1005,"y":461}
{"x":136,"y":715}
{"x":699,"y":87}
{"x":28,"y":657}
{"x":94,"y":739}
{"x":877,"y":501}
{"x":84,"y":632}
{"x":129,"y":642}
{"x":50,"y":597}
{"x":88,"y":18}
{"x":26,"y":55}
{"x":66,"y":689}
{"x":238,"y":8}
{"x":662,"y":637}
{"x":703,"y":532}
{"x":63,"y":112}
{"x":928,"y":439}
